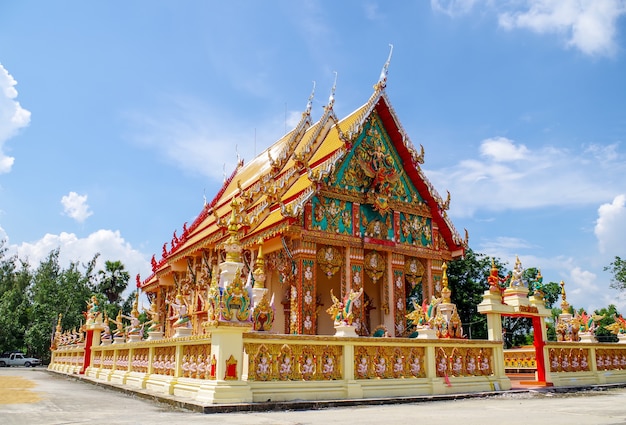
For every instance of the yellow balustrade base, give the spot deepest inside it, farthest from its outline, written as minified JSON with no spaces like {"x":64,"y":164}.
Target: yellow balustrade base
{"x":216,"y":392}
{"x":161,"y":384}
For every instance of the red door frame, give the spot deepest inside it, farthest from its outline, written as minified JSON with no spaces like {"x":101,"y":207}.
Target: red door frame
{"x":538,"y":343}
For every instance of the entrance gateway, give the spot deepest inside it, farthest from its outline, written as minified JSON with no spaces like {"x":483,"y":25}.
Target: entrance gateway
{"x":513,"y":301}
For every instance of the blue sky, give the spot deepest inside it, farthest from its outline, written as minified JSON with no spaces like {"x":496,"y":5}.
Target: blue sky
{"x":118,"y":118}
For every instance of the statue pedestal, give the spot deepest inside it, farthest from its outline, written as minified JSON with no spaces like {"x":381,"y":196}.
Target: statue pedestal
{"x":134,"y":338}
{"x":228,"y":269}
{"x":426,"y":333}
{"x":180,"y":332}
{"x":106,"y":341}
{"x":345,"y":330}
{"x":516,"y":296}
{"x":155,"y":335}
{"x":257,"y":294}
{"x":621,"y":338}
{"x":587,"y":337}
{"x":119,"y":340}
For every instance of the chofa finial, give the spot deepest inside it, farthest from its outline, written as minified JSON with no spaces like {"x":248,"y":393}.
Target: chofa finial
{"x":382,"y":80}
{"x":309,"y":104}
{"x":331,"y":98}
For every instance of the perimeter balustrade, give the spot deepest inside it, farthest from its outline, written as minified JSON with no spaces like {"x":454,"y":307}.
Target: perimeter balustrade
{"x":68,"y":359}
{"x":573,"y":363}
{"x":288,"y":367}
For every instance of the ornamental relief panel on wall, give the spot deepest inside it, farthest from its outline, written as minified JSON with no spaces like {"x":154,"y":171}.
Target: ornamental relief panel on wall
{"x":413,"y":271}
{"x":376,"y":225}
{"x":374,"y":266}
{"x":416,"y":230}
{"x":332,"y":215}
{"x":330,"y":260}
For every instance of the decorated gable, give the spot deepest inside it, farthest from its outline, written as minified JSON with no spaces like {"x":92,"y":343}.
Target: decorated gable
{"x":374,"y":168}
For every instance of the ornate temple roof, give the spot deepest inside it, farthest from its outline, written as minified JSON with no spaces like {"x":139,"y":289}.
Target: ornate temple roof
{"x":269,"y":192}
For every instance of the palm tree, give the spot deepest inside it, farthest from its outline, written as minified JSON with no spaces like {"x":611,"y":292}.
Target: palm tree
{"x":113,"y":280}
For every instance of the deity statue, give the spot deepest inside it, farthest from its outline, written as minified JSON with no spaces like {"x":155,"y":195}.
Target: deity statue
{"x":496,"y":283}
{"x":419,"y":316}
{"x":619,"y":327}
{"x":341,"y":312}
{"x":106,"y":331}
{"x":154,"y":323}
{"x":119,"y":325}
{"x":181,"y":312}
{"x":537,"y":285}
{"x":517,"y":279}
{"x":135,"y":327}
{"x":93,"y":310}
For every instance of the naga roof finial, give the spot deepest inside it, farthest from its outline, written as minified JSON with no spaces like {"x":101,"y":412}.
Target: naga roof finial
{"x":309,"y":104}
{"x":331,"y":98}
{"x":382,"y":80}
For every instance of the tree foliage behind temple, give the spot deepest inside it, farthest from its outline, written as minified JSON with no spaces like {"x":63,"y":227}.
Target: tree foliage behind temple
{"x":467,"y":279}
{"x":31,"y":300}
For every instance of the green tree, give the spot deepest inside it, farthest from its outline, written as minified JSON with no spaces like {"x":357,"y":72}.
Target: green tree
{"x":56,"y":291}
{"x":601,"y":332}
{"x":14,"y":302}
{"x":47,"y":302}
{"x":551,"y":293}
{"x":113,"y":281}
{"x":618,"y":269}
{"x":467,"y":279}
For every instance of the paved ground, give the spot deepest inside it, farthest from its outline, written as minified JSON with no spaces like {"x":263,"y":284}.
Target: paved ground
{"x":35,"y":396}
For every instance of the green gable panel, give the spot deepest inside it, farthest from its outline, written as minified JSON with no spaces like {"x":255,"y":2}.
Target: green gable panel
{"x":374,"y":167}
{"x":416,"y":230}
{"x":376,"y":225}
{"x":331,"y":215}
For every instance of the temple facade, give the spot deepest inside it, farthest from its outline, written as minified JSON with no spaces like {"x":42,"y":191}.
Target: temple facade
{"x":334,"y":206}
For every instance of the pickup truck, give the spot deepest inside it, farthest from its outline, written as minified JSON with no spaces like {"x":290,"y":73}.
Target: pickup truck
{"x":18,"y":359}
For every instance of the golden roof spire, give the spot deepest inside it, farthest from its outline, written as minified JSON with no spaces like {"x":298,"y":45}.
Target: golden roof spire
{"x":564,"y":304}
{"x":445,"y":291}
{"x":232,"y":246}
{"x":259,"y":270}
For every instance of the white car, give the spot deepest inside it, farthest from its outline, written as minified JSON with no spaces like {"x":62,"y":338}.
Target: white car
{"x":18,"y":359}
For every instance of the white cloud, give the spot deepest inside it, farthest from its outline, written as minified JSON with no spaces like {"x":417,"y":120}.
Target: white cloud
{"x":588,"y":25}
{"x":75,"y":206}
{"x":504,"y":247}
{"x":610,"y":227}
{"x":372,"y":11}
{"x":108,"y":243}
{"x":207,"y":141}
{"x":501,"y":149}
{"x":12,"y":116}
{"x":510,"y":176}
{"x":453,"y":7}
{"x":583,"y":281}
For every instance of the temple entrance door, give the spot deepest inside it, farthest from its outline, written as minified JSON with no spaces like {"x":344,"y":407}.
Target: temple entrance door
{"x":372,"y":311}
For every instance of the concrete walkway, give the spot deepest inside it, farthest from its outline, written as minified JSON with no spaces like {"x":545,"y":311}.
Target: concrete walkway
{"x":36,"y":396}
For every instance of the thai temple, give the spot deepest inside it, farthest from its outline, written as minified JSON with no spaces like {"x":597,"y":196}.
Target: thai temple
{"x":319,"y":272}
{"x":334,"y":205}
